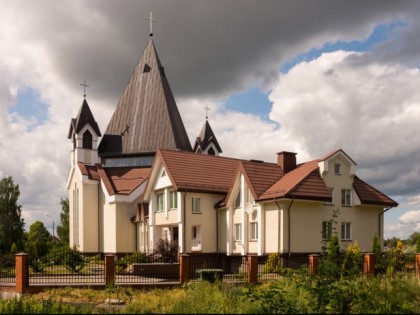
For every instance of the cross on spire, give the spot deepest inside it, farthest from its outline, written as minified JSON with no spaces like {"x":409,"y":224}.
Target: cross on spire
{"x":207,"y":111}
{"x":151,"y":20}
{"x":84,"y":87}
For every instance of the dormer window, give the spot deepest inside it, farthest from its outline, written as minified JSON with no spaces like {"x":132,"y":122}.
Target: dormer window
{"x":337,"y":168}
{"x":238,"y":200}
{"x":87,"y":140}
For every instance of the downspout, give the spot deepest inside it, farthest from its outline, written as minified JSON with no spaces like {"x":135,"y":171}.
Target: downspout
{"x":184,"y":224}
{"x":288,"y":223}
{"x":99,"y":221}
{"x":217,"y":230}
{"x":379,"y":222}
{"x":278,"y":234}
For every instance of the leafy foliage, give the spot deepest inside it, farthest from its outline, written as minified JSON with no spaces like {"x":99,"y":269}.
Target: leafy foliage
{"x":11,"y":222}
{"x":166,"y":251}
{"x":73,"y":260}
{"x":63,"y":231}
{"x":38,"y":237}
{"x":273,"y":264}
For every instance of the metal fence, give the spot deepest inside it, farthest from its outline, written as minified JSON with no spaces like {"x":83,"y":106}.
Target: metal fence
{"x":66,"y":266}
{"x":7,"y":268}
{"x":273,"y":266}
{"x":146,"y":268}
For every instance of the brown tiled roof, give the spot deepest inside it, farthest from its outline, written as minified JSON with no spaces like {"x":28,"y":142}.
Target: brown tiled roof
{"x":117,"y":180}
{"x":125,"y":180}
{"x":83,"y":117}
{"x":199,"y":172}
{"x":206,"y":137}
{"x":303,"y":182}
{"x":334,"y":152}
{"x":261,"y":175}
{"x":371,"y":196}
{"x":89,"y":170}
{"x":146,"y":117}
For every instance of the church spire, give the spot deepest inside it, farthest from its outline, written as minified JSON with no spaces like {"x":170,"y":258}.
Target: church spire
{"x":206,"y":142}
{"x":146,"y":118}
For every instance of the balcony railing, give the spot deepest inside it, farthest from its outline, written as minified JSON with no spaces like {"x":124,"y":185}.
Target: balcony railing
{"x":196,"y":245}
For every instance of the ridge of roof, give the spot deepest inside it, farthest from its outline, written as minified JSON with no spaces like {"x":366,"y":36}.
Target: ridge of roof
{"x":146,"y":117}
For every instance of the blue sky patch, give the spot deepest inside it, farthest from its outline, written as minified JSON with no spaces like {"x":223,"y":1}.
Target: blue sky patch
{"x":29,"y":105}
{"x":379,"y":35}
{"x":252,"y":101}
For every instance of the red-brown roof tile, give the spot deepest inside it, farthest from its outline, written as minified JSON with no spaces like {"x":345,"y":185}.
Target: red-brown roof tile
{"x":199,"y":172}
{"x":89,"y":170}
{"x":371,"y":196}
{"x":125,"y":180}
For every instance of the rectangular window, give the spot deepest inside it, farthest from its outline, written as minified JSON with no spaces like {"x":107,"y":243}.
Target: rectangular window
{"x":326,"y":230}
{"x":345,"y":231}
{"x":238,"y":200}
{"x":331,"y":191}
{"x":174,"y":199}
{"x":238,"y":232}
{"x":254,"y":230}
{"x":159,"y":202}
{"x":196,"y":207}
{"x":195,"y":232}
{"x":346,"y":197}
{"x":337,"y":168}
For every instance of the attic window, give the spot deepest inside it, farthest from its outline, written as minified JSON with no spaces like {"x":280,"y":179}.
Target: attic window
{"x":337,"y":168}
{"x":211,"y":151}
{"x":163,"y":173}
{"x":146,"y":68}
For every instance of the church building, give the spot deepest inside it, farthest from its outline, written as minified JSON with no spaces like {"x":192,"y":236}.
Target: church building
{"x":142,"y":181}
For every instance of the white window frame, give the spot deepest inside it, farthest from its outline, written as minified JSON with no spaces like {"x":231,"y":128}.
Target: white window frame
{"x":346,"y":197}
{"x":253,"y":231}
{"x":346,"y":231}
{"x":238,"y":232}
{"x":196,"y":205}
{"x":326,"y":230}
{"x":160,"y":204}
{"x":173,"y":199}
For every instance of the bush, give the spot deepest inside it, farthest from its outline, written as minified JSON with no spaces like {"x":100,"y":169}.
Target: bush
{"x":166,"y":252}
{"x":273,"y":264}
{"x":73,"y":260}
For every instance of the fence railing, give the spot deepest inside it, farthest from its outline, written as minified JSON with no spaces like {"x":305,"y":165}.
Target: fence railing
{"x":73,"y":268}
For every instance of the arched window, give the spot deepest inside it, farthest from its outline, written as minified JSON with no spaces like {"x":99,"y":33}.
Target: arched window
{"x":211,"y":151}
{"x":87,"y":140}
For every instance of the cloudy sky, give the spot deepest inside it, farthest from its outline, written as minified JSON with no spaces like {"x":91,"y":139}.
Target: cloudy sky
{"x":302,"y":76}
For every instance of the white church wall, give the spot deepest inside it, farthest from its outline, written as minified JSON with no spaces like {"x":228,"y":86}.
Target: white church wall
{"x":110,"y":232}
{"x":90,"y":217}
{"x":126,"y":236}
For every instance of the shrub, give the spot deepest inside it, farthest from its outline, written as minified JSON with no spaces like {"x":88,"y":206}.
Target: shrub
{"x":273,"y":264}
{"x":73,"y":260}
{"x":166,"y":251}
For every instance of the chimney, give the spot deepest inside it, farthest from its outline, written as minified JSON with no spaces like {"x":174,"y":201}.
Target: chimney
{"x":286,"y":160}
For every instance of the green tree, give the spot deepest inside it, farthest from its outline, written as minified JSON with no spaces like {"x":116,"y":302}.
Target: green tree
{"x":11,"y":223}
{"x":380,"y":263}
{"x":63,"y":229}
{"x":40,"y":238}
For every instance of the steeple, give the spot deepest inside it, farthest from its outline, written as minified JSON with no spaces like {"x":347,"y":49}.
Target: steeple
{"x":146,"y":117}
{"x":206,"y":142}
{"x":84,"y":133}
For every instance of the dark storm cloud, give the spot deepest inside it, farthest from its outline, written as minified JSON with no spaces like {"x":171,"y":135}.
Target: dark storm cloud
{"x":209,"y":48}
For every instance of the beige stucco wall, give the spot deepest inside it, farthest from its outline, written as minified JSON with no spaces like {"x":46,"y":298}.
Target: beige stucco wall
{"x":272,"y":230}
{"x":126,"y":236}
{"x":109,"y":225}
{"x":89,"y":218}
{"x":223,"y":227}
{"x":206,"y":220}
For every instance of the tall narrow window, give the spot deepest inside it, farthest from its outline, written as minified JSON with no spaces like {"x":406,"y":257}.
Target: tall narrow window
{"x":76,"y":216}
{"x":253,"y":230}
{"x":238,"y":232}
{"x":196,"y":206}
{"x":331,"y":191}
{"x":87,"y":140}
{"x":326,"y":230}
{"x":346,"y":197}
{"x":159,"y":202}
{"x":345,"y":231}
{"x":238,"y":200}
{"x":174,"y":199}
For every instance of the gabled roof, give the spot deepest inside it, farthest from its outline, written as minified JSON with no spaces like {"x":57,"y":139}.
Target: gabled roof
{"x":199,"y":172}
{"x":117,"y":180}
{"x":371,"y":196}
{"x":84,"y":117}
{"x":304,"y":182}
{"x":206,"y":137}
{"x":146,"y":117}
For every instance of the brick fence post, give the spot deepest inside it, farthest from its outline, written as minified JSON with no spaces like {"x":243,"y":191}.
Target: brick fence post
{"x":22,"y":272}
{"x":369,"y":264}
{"x":314,"y":264}
{"x":252,"y":269}
{"x":184,"y":268}
{"x":109,"y":269}
{"x":418,"y":265}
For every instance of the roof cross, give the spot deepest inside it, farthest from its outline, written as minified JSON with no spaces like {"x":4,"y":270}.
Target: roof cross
{"x":84,"y":87}
{"x":207,"y":111}
{"x":151,"y":20}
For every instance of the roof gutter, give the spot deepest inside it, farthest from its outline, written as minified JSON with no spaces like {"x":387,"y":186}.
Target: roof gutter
{"x":379,"y":221}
